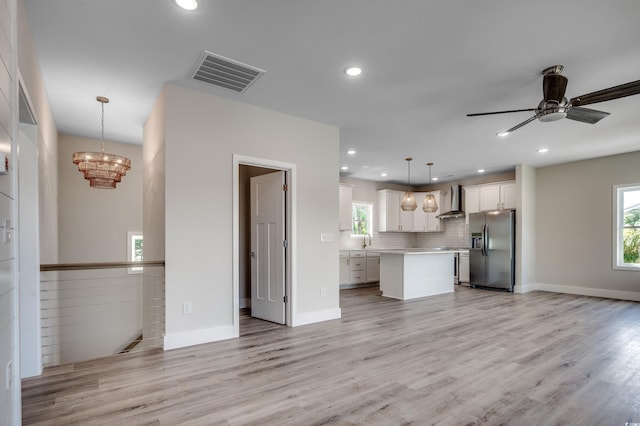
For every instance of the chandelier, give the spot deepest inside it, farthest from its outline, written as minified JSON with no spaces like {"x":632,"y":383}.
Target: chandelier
{"x":101,"y":169}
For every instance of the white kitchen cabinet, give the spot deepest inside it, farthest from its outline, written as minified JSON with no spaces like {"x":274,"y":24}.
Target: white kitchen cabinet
{"x":344,"y":268}
{"x":433,"y":224}
{"x":471,"y":202}
{"x":373,"y":267}
{"x":390,"y":217}
{"x":508,"y":196}
{"x":489,"y":197}
{"x":345,"y":200}
{"x":419,"y":216}
{"x":463,"y":265}
{"x":494,"y":196}
{"x":357,"y":267}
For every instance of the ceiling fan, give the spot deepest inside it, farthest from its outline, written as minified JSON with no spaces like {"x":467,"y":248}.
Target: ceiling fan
{"x":555,"y":106}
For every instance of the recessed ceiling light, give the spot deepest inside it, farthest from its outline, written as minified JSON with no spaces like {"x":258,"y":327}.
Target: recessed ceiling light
{"x":383,"y":174}
{"x":351,"y":152}
{"x":434,"y":179}
{"x":543,"y":150}
{"x":187,"y":4}
{"x":480,"y":170}
{"x":344,"y":168}
{"x":353,"y":71}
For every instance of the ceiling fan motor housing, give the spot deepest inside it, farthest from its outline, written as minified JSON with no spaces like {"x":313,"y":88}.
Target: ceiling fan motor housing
{"x":552,"y":111}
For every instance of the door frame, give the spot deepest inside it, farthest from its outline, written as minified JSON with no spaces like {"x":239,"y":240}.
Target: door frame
{"x":290,"y":230}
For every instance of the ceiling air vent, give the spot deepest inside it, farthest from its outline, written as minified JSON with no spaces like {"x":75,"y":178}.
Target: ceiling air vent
{"x":224,"y":72}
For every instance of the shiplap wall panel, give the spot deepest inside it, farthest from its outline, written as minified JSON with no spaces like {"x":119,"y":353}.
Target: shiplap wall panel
{"x":9,"y":398}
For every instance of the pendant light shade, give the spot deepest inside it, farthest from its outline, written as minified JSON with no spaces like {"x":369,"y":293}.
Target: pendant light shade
{"x":101,"y":169}
{"x":408,"y":203}
{"x":430,"y":205}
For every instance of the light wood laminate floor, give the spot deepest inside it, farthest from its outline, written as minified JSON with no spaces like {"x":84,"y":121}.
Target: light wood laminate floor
{"x":472,"y":357}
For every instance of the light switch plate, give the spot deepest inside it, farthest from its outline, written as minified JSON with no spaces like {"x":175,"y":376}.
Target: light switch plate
{"x":326,"y":237}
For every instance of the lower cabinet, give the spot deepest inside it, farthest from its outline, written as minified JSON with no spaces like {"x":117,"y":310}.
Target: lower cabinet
{"x":373,"y":268}
{"x":344,"y":268}
{"x":358,"y":267}
{"x":463,"y":272}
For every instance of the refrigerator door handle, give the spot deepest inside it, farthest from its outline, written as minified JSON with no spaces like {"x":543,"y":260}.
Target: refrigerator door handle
{"x":485,"y":235}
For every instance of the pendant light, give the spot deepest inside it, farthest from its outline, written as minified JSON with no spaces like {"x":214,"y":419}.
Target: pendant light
{"x":408,"y":203}
{"x":430,"y":205}
{"x":101,"y":169}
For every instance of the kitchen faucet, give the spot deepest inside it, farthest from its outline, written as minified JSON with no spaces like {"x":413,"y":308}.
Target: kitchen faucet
{"x":364,"y":240}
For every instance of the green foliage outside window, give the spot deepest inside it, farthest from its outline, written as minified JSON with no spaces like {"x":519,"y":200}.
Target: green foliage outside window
{"x":360,"y":219}
{"x":137,"y":249}
{"x":631,"y":236}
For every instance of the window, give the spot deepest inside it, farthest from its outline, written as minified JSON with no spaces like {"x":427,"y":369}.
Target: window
{"x":360,"y":219}
{"x":626,"y":252}
{"x":134,"y":250}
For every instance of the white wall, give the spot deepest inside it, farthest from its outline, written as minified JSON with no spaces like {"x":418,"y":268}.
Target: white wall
{"x":525,"y":229}
{"x":45,"y":219}
{"x":574,"y":226}
{"x":93,"y":223}
{"x":154,"y":223}
{"x":203,"y":132}
{"x":47,"y":139}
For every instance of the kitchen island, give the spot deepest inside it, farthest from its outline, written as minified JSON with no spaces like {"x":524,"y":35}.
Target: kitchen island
{"x":413,"y":273}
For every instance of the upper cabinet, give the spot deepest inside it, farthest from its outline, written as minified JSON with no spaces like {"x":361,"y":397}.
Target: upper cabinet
{"x":427,"y":221}
{"x":494,"y":196}
{"x":393,"y":219}
{"x":390,"y":217}
{"x":344,"y":220}
{"x":433,"y":223}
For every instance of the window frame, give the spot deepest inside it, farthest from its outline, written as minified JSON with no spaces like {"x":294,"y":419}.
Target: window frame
{"x":132,"y":236}
{"x":369,"y":206}
{"x":618,"y":227}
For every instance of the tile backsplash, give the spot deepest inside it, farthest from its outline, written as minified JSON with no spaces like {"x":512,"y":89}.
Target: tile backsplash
{"x":454,"y":235}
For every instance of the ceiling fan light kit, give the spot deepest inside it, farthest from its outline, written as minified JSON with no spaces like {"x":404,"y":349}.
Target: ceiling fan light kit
{"x":555,"y":106}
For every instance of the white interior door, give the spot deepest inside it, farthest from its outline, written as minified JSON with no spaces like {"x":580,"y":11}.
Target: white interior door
{"x":267,"y":247}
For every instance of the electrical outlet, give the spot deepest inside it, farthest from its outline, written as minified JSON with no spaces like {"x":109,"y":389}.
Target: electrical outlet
{"x":323,"y":291}
{"x":187,"y":308}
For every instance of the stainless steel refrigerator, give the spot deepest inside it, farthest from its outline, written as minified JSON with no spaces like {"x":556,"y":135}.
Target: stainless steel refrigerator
{"x":492,"y":249}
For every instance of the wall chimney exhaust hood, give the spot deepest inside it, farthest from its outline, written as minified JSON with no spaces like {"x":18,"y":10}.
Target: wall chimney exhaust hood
{"x":455,"y":211}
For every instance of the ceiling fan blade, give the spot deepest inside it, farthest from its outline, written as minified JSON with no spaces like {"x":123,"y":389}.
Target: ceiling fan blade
{"x":500,"y":112}
{"x":517,"y":126}
{"x":553,"y":87}
{"x":586,"y":115}
{"x":621,"y":91}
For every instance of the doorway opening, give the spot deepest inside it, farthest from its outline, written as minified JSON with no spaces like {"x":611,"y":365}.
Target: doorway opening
{"x":263,"y":232}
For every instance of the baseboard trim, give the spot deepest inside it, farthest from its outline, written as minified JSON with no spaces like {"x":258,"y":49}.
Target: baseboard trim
{"x":305,"y":318}
{"x":586,"y":291}
{"x":526,"y":288}
{"x":198,"y":337}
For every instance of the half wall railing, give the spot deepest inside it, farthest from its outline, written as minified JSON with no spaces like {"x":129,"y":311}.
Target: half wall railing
{"x":93,"y":310}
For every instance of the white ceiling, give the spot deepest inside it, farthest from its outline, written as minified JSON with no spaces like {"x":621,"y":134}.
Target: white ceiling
{"x":426,"y":64}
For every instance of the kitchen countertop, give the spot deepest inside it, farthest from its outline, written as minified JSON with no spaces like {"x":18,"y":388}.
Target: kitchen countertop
{"x":417,"y":250}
